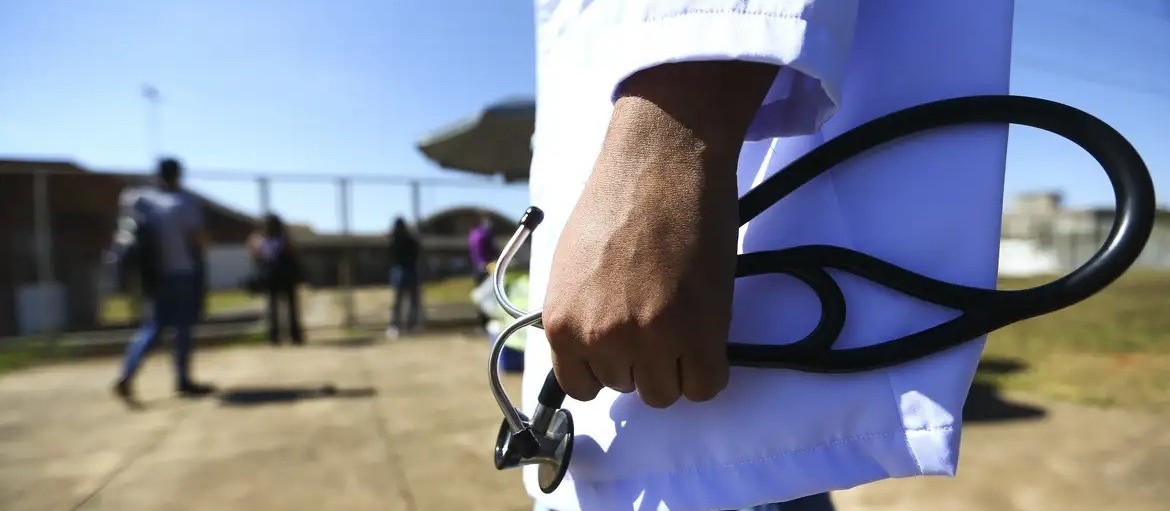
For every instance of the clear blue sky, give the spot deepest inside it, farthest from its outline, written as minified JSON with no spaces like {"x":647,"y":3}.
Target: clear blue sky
{"x":312,"y":86}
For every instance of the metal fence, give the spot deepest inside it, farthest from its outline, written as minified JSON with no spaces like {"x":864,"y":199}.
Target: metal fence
{"x":1070,"y":250}
{"x":1058,"y":247}
{"x":58,"y":219}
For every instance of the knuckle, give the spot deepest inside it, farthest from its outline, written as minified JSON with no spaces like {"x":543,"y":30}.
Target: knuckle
{"x":704,"y":377}
{"x":608,"y":335}
{"x":658,"y":399}
{"x":703,"y":392}
{"x":658,"y":321}
{"x":612,"y":371}
{"x":605,"y":373}
{"x":610,"y":351}
{"x":556,"y":324}
{"x":581,"y":391}
{"x":617,"y":383}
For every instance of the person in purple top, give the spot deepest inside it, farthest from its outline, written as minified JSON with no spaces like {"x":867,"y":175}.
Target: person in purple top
{"x":482,"y":250}
{"x":482,"y":247}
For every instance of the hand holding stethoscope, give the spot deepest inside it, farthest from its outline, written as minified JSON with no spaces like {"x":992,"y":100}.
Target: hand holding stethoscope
{"x":547,"y":438}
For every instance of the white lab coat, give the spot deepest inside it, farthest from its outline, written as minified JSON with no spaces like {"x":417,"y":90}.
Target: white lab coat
{"x":930,"y":203}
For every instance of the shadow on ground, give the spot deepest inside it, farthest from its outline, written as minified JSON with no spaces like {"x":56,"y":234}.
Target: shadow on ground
{"x":986,"y":404}
{"x":255,"y":396}
{"x":353,"y":341}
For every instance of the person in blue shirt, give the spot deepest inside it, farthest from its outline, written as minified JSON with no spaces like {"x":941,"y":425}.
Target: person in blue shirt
{"x":178,"y":240}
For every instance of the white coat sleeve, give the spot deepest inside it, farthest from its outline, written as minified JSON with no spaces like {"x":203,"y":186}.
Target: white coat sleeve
{"x":810,"y":39}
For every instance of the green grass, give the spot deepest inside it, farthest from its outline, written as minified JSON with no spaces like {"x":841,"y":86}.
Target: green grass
{"x":26,"y":353}
{"x":450,"y":290}
{"x":21,"y":353}
{"x":1111,"y":349}
{"x":18,"y":353}
{"x":117,"y":309}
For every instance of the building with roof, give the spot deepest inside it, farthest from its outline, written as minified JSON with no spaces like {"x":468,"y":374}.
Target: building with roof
{"x":444,"y":249}
{"x":77,"y":209}
{"x":1042,"y":236}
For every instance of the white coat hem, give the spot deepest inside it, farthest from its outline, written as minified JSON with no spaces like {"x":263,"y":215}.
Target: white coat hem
{"x":775,"y":477}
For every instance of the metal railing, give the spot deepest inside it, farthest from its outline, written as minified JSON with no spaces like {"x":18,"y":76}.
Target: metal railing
{"x":57,"y":219}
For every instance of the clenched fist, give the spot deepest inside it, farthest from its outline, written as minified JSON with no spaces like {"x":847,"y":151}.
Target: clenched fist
{"x":639,"y":298}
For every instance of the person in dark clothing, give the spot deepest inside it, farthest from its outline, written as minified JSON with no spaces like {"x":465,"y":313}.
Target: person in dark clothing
{"x":404,"y":252}
{"x":279,"y":274}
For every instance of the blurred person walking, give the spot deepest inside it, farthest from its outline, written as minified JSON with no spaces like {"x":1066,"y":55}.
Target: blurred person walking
{"x":278,"y":274}
{"x":404,"y":251}
{"x":170,"y":243}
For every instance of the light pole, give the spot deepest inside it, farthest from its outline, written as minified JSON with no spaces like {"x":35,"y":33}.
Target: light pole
{"x":150,"y":93}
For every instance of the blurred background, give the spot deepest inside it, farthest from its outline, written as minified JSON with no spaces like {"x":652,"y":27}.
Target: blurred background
{"x":344,"y":116}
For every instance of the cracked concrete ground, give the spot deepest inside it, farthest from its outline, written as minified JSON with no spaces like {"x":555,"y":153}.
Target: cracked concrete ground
{"x":382,"y":427}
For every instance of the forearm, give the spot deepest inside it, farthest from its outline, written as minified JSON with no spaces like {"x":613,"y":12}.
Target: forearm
{"x":644,"y":272}
{"x":675,"y":137}
{"x":712,"y":103}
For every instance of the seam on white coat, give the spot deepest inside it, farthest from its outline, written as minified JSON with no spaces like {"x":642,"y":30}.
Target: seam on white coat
{"x":739,"y":12}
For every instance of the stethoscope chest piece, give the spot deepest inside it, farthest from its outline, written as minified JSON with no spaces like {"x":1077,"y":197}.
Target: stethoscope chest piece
{"x":550,"y":451}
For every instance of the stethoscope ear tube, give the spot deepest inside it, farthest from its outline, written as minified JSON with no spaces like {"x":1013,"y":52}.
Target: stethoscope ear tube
{"x":1133,"y":189}
{"x":546,"y":439}
{"x":983,"y":310}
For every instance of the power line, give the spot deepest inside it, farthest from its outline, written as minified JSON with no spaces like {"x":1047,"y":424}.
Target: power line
{"x":1081,"y":73}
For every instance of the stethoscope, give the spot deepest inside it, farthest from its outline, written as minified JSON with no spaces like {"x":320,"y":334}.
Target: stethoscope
{"x":547,"y":438}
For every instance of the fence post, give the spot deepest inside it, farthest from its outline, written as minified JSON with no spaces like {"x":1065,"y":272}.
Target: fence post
{"x":416,"y":202}
{"x":263,"y":185}
{"x":347,"y":253}
{"x":422,"y":269}
{"x":43,"y":234}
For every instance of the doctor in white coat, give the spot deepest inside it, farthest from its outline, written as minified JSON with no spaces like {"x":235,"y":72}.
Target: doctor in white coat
{"x":653,"y":116}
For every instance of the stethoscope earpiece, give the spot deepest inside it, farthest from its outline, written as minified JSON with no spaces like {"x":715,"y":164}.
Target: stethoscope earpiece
{"x":547,"y":439}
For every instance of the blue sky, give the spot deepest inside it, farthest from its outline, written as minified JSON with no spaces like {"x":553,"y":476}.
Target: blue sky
{"x":347,"y":87}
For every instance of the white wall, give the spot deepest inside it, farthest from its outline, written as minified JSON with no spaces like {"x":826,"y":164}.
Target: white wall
{"x":1024,"y":258}
{"x":40,"y":308}
{"x":227,"y":265}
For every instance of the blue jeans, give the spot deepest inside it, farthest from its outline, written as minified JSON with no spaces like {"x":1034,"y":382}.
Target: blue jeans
{"x":405,"y":282}
{"x":173,"y":305}
{"x":818,"y":502}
